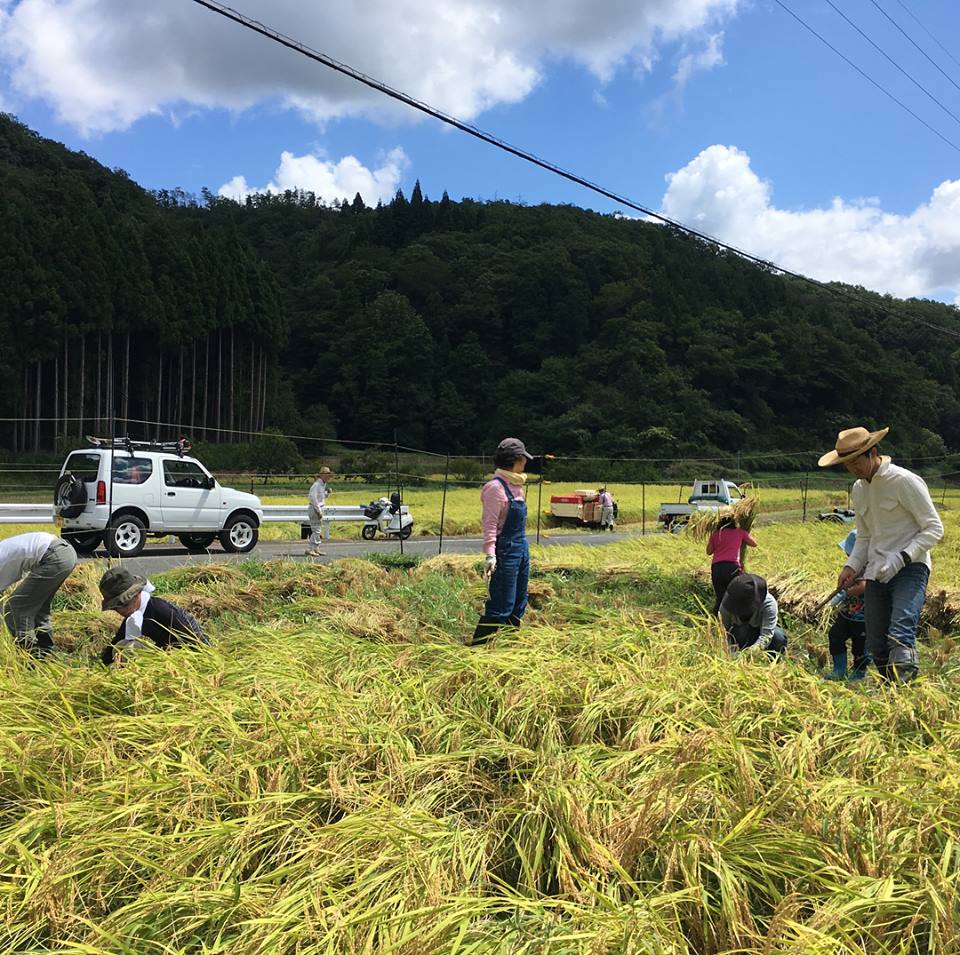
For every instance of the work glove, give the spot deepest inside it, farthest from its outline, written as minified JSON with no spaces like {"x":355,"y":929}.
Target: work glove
{"x":490,"y":565}
{"x":891,"y":568}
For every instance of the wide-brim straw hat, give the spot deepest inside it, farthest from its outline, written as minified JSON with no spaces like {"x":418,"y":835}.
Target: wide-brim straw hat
{"x":851,"y":444}
{"x":324,"y":472}
{"x":118,"y":587}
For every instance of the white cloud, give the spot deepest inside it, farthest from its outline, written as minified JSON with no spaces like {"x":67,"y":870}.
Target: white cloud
{"x":102,"y":64}
{"x":708,"y":58}
{"x":852,"y":241}
{"x":328,"y":180}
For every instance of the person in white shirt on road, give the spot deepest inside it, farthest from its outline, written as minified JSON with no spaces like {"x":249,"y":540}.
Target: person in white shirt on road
{"x":897,"y":525}
{"x":606,"y":509}
{"x":319,"y":491}
{"x":41,"y":563}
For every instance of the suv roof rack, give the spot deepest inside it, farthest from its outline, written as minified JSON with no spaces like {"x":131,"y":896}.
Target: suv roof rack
{"x":179,"y":447}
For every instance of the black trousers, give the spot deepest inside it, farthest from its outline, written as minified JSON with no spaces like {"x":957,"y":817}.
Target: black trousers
{"x":722,"y":572}
{"x":843,"y":629}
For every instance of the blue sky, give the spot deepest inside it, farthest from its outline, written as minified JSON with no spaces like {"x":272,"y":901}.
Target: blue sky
{"x":777,"y":145}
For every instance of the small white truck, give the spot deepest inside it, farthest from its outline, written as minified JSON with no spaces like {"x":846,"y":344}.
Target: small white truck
{"x":706,"y":495}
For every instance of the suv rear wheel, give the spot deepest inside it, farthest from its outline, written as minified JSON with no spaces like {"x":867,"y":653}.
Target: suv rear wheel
{"x":125,"y":536}
{"x":239,"y":534}
{"x":83,"y":543}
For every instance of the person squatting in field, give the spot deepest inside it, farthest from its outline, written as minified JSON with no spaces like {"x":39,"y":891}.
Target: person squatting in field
{"x":849,"y":625}
{"x":41,"y":563}
{"x":750,"y":616}
{"x":505,"y":547}
{"x":726,"y":546}
{"x":145,"y":617}
{"x":897,"y":526}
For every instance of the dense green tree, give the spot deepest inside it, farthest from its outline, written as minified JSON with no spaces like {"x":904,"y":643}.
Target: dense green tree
{"x":451,"y":323}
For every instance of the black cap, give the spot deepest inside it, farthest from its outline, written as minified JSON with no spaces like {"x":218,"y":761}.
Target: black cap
{"x":745,"y":595}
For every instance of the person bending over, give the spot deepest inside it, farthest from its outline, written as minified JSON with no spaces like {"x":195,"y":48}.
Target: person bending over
{"x":749,"y":614}
{"x":145,"y":617}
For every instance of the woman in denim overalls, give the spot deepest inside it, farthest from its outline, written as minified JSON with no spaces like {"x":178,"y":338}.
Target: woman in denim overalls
{"x":507,"y":553}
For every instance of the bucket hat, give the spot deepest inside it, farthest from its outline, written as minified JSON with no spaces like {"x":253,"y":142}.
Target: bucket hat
{"x":745,"y":595}
{"x":118,"y":587}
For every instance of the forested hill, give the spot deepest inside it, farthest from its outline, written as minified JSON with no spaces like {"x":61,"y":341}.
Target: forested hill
{"x":453,"y":323}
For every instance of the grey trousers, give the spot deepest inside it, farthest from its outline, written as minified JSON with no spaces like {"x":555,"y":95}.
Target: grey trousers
{"x":316,"y":526}
{"x":27,"y":610}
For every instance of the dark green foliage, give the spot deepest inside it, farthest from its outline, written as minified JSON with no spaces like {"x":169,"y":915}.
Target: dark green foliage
{"x":451,"y":324}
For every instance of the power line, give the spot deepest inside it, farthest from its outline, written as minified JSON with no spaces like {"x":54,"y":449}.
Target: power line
{"x":867,"y":76}
{"x":257,"y":27}
{"x":928,"y":32}
{"x":890,"y":59}
{"x":917,"y":45}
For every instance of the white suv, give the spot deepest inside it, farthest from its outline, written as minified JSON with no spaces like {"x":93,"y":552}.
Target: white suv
{"x":156,"y":490}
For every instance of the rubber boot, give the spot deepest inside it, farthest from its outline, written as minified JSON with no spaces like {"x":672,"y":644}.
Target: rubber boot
{"x":839,"y":671}
{"x":859,"y":670}
{"x":515,"y":621}
{"x":486,"y":628}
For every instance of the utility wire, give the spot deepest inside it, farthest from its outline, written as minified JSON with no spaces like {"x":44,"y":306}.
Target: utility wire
{"x":891,"y":60}
{"x":917,"y":45}
{"x":928,"y":32}
{"x":298,"y":47}
{"x":867,"y":76}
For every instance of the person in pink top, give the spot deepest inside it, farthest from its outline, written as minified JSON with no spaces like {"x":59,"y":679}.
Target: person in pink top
{"x":505,"y":548}
{"x":726,"y":546}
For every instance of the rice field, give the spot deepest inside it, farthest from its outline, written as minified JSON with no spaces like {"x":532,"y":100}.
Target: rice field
{"x":339,"y":774}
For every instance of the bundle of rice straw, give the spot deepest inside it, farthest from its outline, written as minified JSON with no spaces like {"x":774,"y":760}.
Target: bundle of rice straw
{"x":743,"y":512}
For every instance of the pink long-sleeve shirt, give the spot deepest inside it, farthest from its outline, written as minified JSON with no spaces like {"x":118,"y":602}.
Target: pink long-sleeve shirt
{"x":495,"y":506}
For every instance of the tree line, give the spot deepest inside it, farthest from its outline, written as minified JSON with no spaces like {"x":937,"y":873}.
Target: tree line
{"x":451,"y":323}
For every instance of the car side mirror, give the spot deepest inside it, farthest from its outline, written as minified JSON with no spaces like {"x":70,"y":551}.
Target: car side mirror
{"x":211,"y":482}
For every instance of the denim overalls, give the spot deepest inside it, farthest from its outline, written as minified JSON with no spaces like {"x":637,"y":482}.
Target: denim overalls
{"x":508,"y":585}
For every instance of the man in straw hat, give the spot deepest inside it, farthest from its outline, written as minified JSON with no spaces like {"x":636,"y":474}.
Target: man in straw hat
{"x":145,"y":617}
{"x":897,"y":525}
{"x":319,"y":491}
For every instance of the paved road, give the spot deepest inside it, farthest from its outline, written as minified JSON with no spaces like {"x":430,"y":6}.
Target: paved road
{"x":157,"y":558}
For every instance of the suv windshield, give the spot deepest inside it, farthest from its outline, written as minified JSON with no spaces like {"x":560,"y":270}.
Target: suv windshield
{"x":84,"y":464}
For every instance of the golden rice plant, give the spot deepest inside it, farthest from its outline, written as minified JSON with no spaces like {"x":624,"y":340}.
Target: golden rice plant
{"x":337,"y":773}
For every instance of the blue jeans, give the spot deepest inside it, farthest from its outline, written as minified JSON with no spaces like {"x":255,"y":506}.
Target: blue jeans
{"x":508,"y":585}
{"x":892,"y":612}
{"x":742,"y":635}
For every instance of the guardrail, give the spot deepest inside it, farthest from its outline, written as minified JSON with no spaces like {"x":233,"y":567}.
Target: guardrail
{"x":272,"y":513}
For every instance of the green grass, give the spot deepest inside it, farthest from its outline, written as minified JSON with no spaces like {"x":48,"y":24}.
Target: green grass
{"x":339,"y":774}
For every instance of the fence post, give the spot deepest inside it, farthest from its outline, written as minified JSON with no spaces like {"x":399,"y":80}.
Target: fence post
{"x":806,"y":486}
{"x":543,"y":469}
{"x":943,"y":497}
{"x":443,"y":502}
{"x":396,"y":463}
{"x":643,"y":509}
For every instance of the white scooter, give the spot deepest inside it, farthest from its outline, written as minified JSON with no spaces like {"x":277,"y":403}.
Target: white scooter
{"x":388,"y":517}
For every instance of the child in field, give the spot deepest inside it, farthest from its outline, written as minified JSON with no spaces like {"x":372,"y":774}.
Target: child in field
{"x":751,"y":617}
{"x":145,"y":617}
{"x":849,"y":625}
{"x":727,"y":545}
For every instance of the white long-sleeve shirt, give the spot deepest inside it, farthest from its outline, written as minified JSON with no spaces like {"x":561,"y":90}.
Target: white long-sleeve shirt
{"x":20,"y":554}
{"x":318,"y":494}
{"x":894,"y":513}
